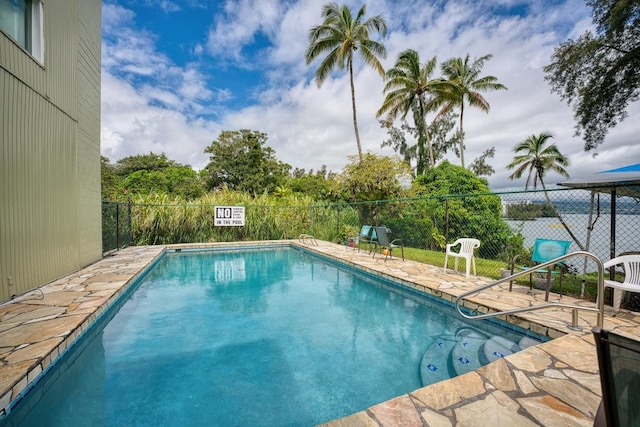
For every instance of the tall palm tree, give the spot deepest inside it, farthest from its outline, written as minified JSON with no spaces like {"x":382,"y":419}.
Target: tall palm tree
{"x":468,"y":84}
{"x":534,"y":158}
{"x":339,"y":36}
{"x":409,"y":88}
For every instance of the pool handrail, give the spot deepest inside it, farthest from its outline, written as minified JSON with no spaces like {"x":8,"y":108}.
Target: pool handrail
{"x":303,"y":238}
{"x":599,"y":302}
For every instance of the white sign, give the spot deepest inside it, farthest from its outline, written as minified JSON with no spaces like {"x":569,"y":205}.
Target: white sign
{"x":226,"y":216}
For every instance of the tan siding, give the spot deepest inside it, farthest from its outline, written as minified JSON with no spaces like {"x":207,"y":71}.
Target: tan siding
{"x":88,"y":74}
{"x":50,"y":150}
{"x":38,"y":214}
{"x":20,"y":64}
{"x":56,"y":78}
{"x":61,"y":63}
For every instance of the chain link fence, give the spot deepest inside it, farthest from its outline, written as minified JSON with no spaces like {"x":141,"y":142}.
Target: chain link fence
{"x":507,"y":225}
{"x":116,"y":225}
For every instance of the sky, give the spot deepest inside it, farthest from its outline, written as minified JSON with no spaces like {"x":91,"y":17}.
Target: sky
{"x":176,"y":73}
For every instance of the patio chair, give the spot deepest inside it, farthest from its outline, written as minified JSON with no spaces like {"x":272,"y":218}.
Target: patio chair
{"x":544,"y":250}
{"x":619,"y":366}
{"x":467,"y":247}
{"x":631,"y":283}
{"x":367,"y":236}
{"x":383,"y":239}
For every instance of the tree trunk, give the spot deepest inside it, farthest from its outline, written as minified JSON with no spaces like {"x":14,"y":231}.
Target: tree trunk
{"x":419,"y":122}
{"x":461,"y":135}
{"x":353,"y":104}
{"x":423,"y":124}
{"x":566,"y":227}
{"x":432,"y":158}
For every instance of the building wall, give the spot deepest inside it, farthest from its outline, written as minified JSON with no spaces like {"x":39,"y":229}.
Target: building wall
{"x":89,"y":188}
{"x":50,"y":214}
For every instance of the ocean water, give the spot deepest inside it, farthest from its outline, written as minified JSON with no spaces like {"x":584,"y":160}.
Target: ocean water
{"x":627,"y":232}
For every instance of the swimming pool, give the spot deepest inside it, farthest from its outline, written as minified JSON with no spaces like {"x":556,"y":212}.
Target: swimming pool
{"x":269,"y":337}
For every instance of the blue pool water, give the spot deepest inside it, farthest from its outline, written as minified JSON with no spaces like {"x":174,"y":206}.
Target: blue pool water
{"x":259,"y":337}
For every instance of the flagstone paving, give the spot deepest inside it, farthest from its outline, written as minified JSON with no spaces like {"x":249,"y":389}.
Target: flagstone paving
{"x":553,"y":383}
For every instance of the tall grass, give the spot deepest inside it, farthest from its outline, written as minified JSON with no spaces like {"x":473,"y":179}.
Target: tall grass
{"x":164,"y":219}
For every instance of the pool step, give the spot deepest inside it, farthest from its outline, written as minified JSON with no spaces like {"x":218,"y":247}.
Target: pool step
{"x":466,"y":351}
{"x":467,"y":354}
{"x":433,"y":366}
{"x":498,"y":347}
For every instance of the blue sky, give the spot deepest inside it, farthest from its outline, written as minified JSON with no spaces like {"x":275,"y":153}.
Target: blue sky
{"x":177,"y":73}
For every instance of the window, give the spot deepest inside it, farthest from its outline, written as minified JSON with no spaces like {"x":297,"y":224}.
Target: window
{"x":22,"y":21}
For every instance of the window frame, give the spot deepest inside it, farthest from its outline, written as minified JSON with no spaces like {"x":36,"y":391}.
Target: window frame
{"x":33,"y":31}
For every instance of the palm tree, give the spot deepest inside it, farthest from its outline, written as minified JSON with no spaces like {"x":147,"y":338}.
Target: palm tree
{"x":340,"y":35}
{"x":533,"y":157}
{"x":537,"y":159}
{"x":467,"y":87}
{"x":409,"y":88}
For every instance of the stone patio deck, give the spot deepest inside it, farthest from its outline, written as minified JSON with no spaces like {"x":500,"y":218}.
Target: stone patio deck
{"x":554,"y":383}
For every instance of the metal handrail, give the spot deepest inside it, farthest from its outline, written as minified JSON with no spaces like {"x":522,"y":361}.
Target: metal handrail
{"x":600,"y":300}
{"x":304,"y":237}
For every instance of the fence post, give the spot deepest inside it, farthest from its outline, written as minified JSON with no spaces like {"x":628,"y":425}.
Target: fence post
{"x":117,"y":225}
{"x":612,"y":233}
{"x":129,"y":221}
{"x":446,"y":220}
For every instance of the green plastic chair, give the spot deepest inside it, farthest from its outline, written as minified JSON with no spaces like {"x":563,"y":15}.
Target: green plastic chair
{"x":367,"y":236}
{"x":544,"y":250}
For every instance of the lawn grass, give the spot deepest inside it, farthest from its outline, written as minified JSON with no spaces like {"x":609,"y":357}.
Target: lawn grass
{"x":484,"y":267}
{"x":571,"y":283}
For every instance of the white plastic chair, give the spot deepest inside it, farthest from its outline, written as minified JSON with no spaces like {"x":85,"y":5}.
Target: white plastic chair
{"x":631,"y":282}
{"x":466,"y":251}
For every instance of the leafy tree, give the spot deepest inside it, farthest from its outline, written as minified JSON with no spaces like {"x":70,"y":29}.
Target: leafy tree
{"x":319,"y":185}
{"x":146,"y":162}
{"x":298,"y":173}
{"x":398,"y":140}
{"x":175,"y":180}
{"x":340,"y":35}
{"x":599,"y":74}
{"x":371,"y":179}
{"x":467,"y":85}
{"x":476,"y":216}
{"x":409,"y":87}
{"x":533,"y":157}
{"x":437,"y":132}
{"x":109,"y":179}
{"x":240,"y":160}
{"x":480,"y":166}
{"x":147,"y":174}
{"x":447,"y":179}
{"x":528,"y":211}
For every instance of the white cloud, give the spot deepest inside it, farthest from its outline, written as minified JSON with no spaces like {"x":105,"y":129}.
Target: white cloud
{"x":169,"y":6}
{"x":238,"y":26}
{"x":132,"y":125}
{"x":166,"y":6}
{"x":150,"y":103}
{"x":115,"y":16}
